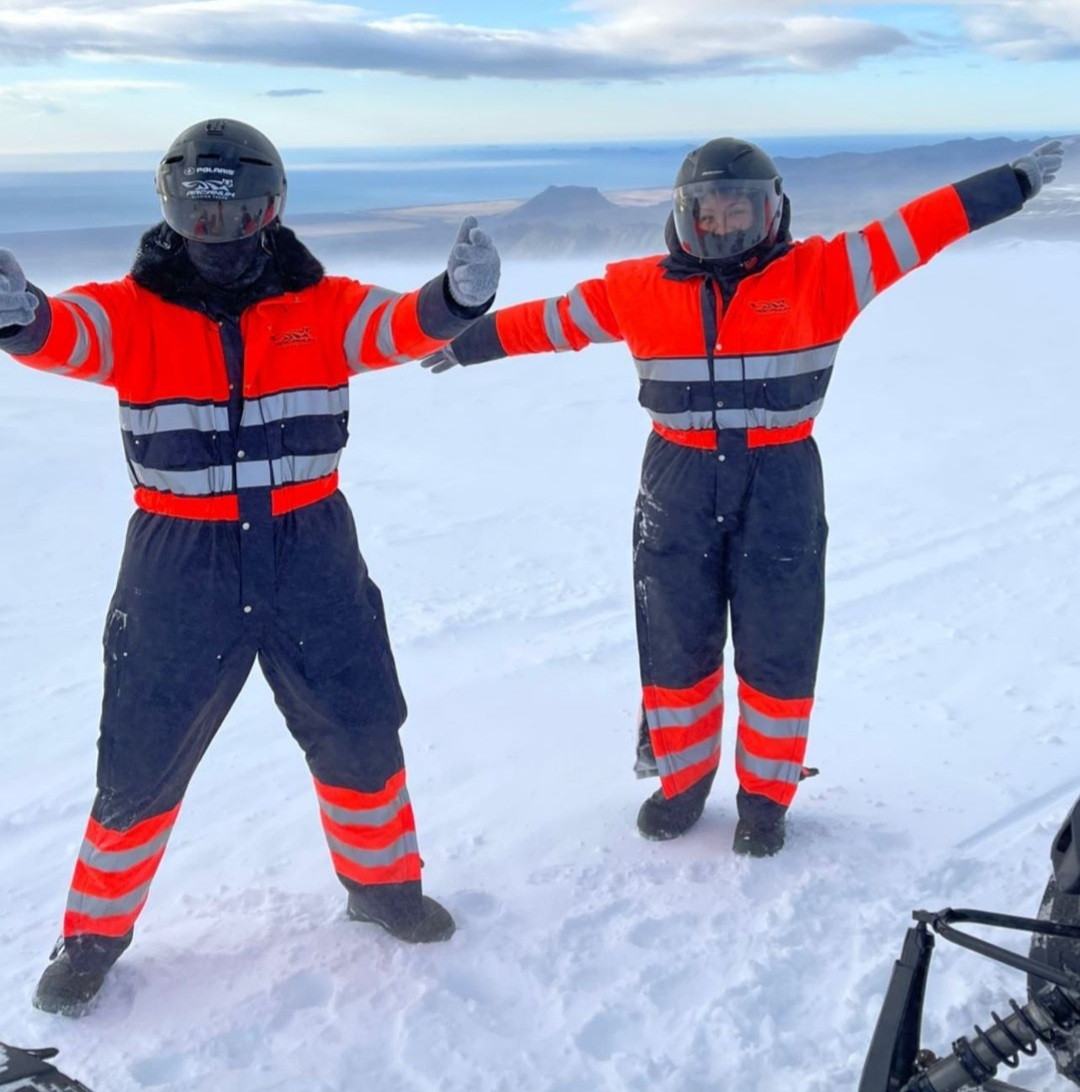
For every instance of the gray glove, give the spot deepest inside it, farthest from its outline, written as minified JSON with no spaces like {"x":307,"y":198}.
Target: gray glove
{"x":1041,"y":165}
{"x":442,"y":361}
{"x":473,"y":266}
{"x":17,"y":305}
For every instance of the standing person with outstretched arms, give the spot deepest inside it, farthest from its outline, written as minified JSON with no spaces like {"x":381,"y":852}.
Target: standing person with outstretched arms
{"x":734,"y":332}
{"x":231,"y":352}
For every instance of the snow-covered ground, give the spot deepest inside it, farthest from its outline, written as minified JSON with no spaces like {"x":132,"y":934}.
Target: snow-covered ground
{"x":494,"y":508}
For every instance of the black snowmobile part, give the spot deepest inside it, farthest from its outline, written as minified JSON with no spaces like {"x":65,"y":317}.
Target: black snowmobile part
{"x":896,"y":1063}
{"x":24,"y":1070}
{"x":1065,"y":854}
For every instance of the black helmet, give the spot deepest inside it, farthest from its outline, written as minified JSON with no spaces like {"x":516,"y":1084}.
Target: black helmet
{"x":729,"y":199}
{"x":219,"y":181}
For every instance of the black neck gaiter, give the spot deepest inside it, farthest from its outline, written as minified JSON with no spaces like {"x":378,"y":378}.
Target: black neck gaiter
{"x":228,"y":265}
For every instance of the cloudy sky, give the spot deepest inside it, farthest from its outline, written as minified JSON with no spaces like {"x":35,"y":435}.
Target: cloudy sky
{"x":127,"y":74}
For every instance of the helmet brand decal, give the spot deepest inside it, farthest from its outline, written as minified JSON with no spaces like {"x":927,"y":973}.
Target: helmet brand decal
{"x":219,"y":188}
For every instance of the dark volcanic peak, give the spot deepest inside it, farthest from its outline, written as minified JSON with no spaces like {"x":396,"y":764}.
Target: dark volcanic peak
{"x":562,"y":201}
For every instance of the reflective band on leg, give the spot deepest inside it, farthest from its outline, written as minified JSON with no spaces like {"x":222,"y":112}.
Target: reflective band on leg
{"x":790,"y":773}
{"x":862,"y":270}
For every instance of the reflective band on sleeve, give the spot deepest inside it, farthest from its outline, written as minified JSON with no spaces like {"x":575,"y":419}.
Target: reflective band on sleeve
{"x":553,"y":326}
{"x":584,"y":319}
{"x":783,"y":365}
{"x":768,"y":769}
{"x":903,"y":245}
{"x":774,"y":727}
{"x":354,"y":332}
{"x":94,"y":907}
{"x":174,"y":417}
{"x":384,"y":335}
{"x":375,"y":858}
{"x":862,"y":270}
{"x":288,"y":404}
{"x":102,"y":327}
{"x":186,"y":483}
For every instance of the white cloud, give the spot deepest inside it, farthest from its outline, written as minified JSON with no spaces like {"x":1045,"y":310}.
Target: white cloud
{"x":1028,"y":30}
{"x":612,"y":40}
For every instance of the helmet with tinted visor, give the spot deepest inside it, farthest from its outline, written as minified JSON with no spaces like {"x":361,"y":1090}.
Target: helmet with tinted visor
{"x":722,"y":219}
{"x":221,"y":181}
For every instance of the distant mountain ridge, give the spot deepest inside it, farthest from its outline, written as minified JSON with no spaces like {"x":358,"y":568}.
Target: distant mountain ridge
{"x":829,"y":193}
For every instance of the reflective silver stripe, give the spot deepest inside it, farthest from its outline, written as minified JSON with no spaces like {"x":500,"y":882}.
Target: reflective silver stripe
{"x":903,"y":245}
{"x":553,"y":326}
{"x":768,"y":769}
{"x":261,"y":473}
{"x":104,"y":860}
{"x":186,"y":483}
{"x":737,"y":418}
{"x":307,"y":403}
{"x":774,"y":727}
{"x":80,"y":352}
{"x":384,"y":336}
{"x":765,"y":418}
{"x":174,"y":417}
{"x":354,"y":332}
{"x":365,"y":817}
{"x":782,"y":365}
{"x":862,"y":270}
{"x":95,"y":907}
{"x":670,"y":716}
{"x":584,"y":319}
{"x":102,"y":327}
{"x":682,"y":760}
{"x":375,"y":858}
{"x":689,"y":369}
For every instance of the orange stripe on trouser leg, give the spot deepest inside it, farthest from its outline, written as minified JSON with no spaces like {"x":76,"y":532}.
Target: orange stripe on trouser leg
{"x":784,"y":708}
{"x":138,"y":835}
{"x":358,"y":801}
{"x":404,"y":870}
{"x":783,"y":750}
{"x":81,"y":924}
{"x":372,"y":837}
{"x":669,"y":741}
{"x":675,"y":783}
{"x":110,"y":885}
{"x":782,"y":792}
{"x":671,"y":697}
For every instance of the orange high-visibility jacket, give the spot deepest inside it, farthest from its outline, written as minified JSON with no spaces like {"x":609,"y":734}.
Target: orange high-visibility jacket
{"x":764,"y":365}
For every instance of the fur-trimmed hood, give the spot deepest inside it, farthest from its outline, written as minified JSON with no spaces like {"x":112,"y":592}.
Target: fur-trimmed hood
{"x":162,"y":266}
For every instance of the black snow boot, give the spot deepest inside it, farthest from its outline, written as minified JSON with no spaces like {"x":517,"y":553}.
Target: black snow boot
{"x":661,"y":819}
{"x":402,"y":911}
{"x":77,"y":968}
{"x":760,"y":829}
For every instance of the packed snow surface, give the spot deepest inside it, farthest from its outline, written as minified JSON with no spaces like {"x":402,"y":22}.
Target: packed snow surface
{"x":494,"y":508}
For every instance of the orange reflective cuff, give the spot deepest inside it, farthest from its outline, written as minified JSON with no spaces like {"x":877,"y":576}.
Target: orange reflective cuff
{"x":681,"y":780}
{"x":658,"y":697}
{"x":781,"y":792}
{"x":113,"y":885}
{"x":116,"y":841}
{"x":780,"y":708}
{"x":379,"y":837}
{"x":361,"y":801}
{"x":672,"y":741}
{"x":116,"y":926}
{"x":769,"y":437}
{"x":404,"y":870}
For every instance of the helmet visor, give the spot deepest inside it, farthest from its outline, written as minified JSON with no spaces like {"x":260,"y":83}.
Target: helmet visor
{"x":222,"y":219}
{"x":725,"y":218}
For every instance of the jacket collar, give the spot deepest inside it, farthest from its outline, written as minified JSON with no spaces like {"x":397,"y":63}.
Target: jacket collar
{"x":162,"y":266}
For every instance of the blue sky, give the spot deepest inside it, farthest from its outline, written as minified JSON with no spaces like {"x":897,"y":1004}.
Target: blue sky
{"x":105,"y":74}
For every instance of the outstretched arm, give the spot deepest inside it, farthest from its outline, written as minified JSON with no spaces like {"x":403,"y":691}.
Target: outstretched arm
{"x":876,"y":257}
{"x":70,"y":334}
{"x":385,"y":328}
{"x":582,"y":317}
